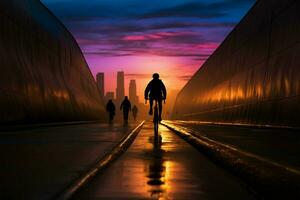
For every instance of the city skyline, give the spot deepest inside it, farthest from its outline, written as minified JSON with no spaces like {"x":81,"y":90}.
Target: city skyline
{"x":133,"y":97}
{"x":119,"y":93}
{"x":172,"y":38}
{"x":120,"y":90}
{"x":100,"y":77}
{"x":102,"y":81}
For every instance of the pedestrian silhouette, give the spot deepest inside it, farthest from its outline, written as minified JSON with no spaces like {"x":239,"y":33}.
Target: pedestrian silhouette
{"x":135,"y":110}
{"x":126,"y":106}
{"x":111,"y":109}
{"x":155,"y":90}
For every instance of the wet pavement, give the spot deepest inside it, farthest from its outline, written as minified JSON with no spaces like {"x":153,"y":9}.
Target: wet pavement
{"x":165,"y":168}
{"x":279,"y":145}
{"x":37,"y":164}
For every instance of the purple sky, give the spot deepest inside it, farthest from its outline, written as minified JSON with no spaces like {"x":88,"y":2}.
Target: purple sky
{"x":171,"y":37}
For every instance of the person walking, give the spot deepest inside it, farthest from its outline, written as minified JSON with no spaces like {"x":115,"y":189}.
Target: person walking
{"x":111,"y":109}
{"x":135,"y":110}
{"x":126,"y":107}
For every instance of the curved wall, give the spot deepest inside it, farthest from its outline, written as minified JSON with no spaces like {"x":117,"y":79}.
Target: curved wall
{"x":254,"y":75}
{"x":44,"y":76}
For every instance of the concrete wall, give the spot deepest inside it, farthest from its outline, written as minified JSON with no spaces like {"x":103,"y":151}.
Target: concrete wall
{"x":254,"y":76}
{"x":44,"y":76}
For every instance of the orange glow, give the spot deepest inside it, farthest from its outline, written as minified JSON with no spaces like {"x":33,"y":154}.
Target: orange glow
{"x":226,"y":92}
{"x":61,"y":94}
{"x":287,"y":86}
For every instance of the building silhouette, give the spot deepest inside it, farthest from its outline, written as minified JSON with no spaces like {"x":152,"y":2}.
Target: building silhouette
{"x":109,"y":95}
{"x":132,"y":92}
{"x":76,"y":98}
{"x":244,"y":88}
{"x":100,"y":83}
{"x":120,"y":91}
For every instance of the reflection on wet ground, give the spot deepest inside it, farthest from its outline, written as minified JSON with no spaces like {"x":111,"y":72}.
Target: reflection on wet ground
{"x":156,"y":170}
{"x":163,"y":168}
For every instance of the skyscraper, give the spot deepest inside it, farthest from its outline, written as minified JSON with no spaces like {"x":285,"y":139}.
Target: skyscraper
{"x":100,"y":83}
{"x":120,"y":91}
{"x":132,"y":92}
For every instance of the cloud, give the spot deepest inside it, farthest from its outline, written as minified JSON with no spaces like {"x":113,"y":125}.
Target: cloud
{"x":137,"y":9}
{"x":132,"y":27}
{"x":143,"y":76}
{"x":167,"y":47}
{"x":107,"y":53}
{"x":139,"y":76}
{"x":184,"y":25}
{"x":198,"y":9}
{"x":160,"y":43}
{"x":105,"y":29}
{"x":185,"y":77}
{"x":185,"y":11}
{"x":157,"y":36}
{"x":156,"y":52}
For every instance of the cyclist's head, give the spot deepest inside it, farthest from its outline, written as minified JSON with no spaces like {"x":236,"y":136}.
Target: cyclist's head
{"x":155,"y":76}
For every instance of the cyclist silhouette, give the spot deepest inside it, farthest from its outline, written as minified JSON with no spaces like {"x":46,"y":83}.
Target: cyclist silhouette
{"x":155,"y":90}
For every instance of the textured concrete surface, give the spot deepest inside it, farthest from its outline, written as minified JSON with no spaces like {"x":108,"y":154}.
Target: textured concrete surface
{"x":172,"y":169}
{"x":44,"y":76}
{"x":254,"y":76}
{"x":271,"y":180}
{"x":38,"y":164}
{"x":279,"y":145}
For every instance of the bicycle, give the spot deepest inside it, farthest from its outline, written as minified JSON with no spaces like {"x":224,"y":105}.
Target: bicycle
{"x":155,"y":119}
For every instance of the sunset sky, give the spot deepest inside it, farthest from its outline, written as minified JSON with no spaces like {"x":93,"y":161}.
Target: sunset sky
{"x":171,"y":37}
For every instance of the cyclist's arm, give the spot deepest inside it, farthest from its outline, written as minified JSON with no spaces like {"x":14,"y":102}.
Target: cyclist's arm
{"x":147,"y":90}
